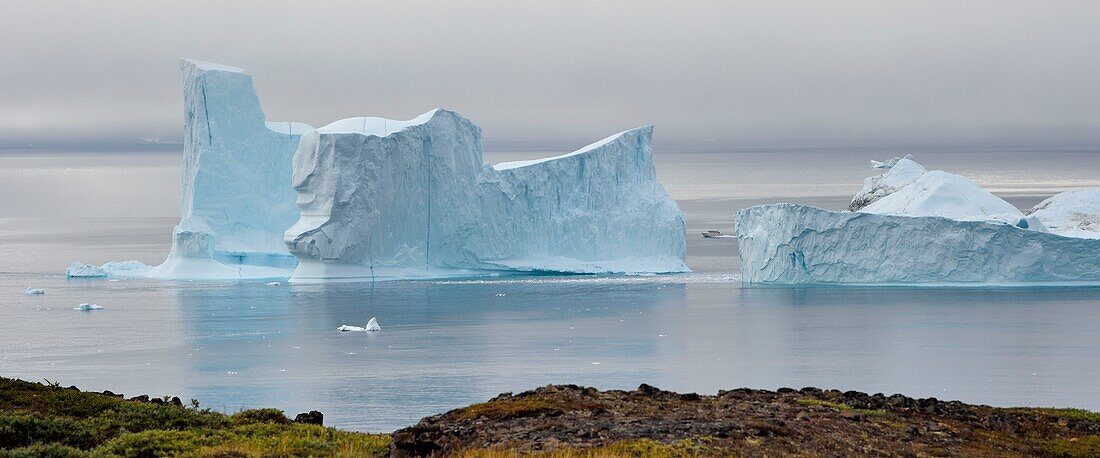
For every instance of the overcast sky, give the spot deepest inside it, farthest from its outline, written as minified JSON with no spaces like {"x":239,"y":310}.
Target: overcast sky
{"x":738,"y":73}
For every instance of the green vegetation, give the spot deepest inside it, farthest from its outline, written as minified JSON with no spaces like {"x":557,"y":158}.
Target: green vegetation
{"x":1070,"y":414}
{"x":1088,"y":446}
{"x":39,"y":420}
{"x":819,"y":402}
{"x":840,"y":406}
{"x":509,"y":408}
{"x":627,"y":448}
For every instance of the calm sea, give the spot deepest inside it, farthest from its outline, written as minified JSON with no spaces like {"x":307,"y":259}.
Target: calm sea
{"x":446,"y":344}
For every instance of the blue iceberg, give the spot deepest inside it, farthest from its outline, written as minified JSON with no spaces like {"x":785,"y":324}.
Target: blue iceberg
{"x":382,"y":198}
{"x":917,"y":227}
{"x":373,"y":198}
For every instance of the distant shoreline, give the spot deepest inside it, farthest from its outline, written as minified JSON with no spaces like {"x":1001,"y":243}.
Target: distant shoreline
{"x":559,"y":420}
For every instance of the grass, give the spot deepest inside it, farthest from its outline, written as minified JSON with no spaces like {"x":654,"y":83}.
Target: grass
{"x":627,"y":448}
{"x":510,"y":408}
{"x":840,"y":406}
{"x":819,"y":402}
{"x":49,"y":421}
{"x":1088,"y":446}
{"x":1070,"y":414}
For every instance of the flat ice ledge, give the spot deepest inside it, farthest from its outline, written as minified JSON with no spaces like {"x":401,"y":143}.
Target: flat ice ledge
{"x":374,"y":126}
{"x":204,"y":66}
{"x":517,"y":164}
{"x":798,"y":244}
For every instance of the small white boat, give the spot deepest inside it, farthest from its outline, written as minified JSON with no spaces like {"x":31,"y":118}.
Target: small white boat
{"x":371,"y":326}
{"x":712,"y":233}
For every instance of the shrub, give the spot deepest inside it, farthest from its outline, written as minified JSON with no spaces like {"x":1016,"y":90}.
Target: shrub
{"x":250,"y":416}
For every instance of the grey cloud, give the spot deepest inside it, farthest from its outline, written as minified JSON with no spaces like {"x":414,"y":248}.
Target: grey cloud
{"x":569,"y":72}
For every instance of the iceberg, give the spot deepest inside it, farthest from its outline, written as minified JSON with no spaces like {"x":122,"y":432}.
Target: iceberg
{"x":86,"y":307}
{"x":236,"y":194}
{"x":126,"y":269}
{"x":375,"y":198}
{"x":380,"y":198}
{"x":798,"y":244}
{"x":1071,"y":213}
{"x":936,"y":228}
{"x":32,"y":291}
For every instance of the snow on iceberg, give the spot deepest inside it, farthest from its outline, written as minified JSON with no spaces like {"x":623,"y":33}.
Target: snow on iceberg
{"x":108,"y":269}
{"x":907,"y":189}
{"x":236,"y":196}
{"x":902,"y":172}
{"x":920,"y":227}
{"x":381,"y":198}
{"x":1071,"y":213}
{"x":797,"y":244}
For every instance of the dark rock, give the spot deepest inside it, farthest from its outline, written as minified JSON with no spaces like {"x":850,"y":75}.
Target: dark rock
{"x":407,"y":444}
{"x":112,"y":394}
{"x":312,"y":417}
{"x":176,"y":401}
{"x":73,"y":388}
{"x":157,"y":401}
{"x":142,"y":398}
{"x":690,"y":397}
{"x":648,"y":390}
{"x":785,"y":390}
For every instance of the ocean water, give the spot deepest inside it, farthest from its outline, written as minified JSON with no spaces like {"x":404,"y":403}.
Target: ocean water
{"x":447,"y":344}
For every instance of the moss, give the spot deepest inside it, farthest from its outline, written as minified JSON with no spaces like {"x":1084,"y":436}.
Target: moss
{"x":1088,"y":446}
{"x":509,"y":408}
{"x":819,"y":402}
{"x":840,"y":406}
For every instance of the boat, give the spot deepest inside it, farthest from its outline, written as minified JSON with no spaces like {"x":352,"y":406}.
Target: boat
{"x":712,"y":233}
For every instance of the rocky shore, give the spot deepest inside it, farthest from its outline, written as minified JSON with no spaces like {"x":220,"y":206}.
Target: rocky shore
{"x":572,"y":420}
{"x":39,"y":419}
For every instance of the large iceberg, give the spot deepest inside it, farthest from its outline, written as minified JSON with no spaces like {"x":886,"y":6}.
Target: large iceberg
{"x":236,"y":193}
{"x":397,"y":199}
{"x":382,"y":198}
{"x":933,"y":228}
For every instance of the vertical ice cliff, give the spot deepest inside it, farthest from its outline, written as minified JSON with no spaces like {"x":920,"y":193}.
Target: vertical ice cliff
{"x":382,"y":198}
{"x":913,"y":226}
{"x":236,"y":193}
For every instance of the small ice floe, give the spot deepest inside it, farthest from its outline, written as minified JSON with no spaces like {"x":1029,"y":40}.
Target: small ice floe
{"x":34,"y":291}
{"x":109,"y":269}
{"x":372,"y":325}
{"x":501,"y":294}
{"x":87,"y":307}
{"x":273,"y":283}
